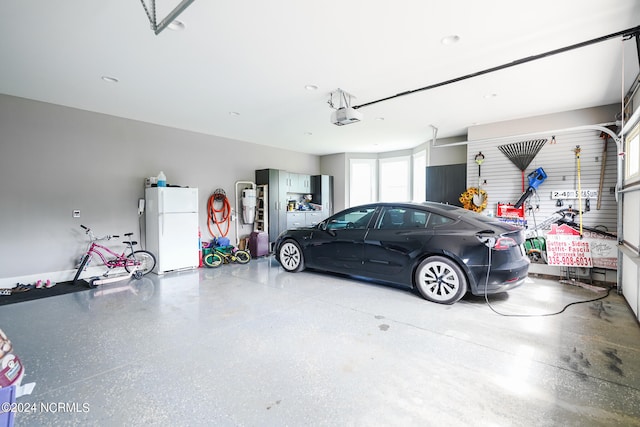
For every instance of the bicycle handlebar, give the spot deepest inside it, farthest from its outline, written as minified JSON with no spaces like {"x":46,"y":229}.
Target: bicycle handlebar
{"x":91,"y":235}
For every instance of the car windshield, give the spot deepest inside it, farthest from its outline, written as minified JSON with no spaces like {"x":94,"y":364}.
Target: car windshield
{"x":352,"y":219}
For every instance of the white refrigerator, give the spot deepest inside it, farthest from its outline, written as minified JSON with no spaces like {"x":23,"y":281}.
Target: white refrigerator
{"x":172,"y":227}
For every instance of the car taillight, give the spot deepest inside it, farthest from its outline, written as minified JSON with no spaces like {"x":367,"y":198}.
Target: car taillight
{"x":504,"y":243}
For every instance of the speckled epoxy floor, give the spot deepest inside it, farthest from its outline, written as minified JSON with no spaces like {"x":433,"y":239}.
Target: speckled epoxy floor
{"x":254,"y":346}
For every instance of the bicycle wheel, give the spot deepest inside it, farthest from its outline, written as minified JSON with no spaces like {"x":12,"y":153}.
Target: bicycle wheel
{"x":212,"y":260}
{"x":85,"y":261}
{"x":242,"y":257}
{"x":143,"y":261}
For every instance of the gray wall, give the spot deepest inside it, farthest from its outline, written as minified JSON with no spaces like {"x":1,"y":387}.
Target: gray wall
{"x":334,"y":165}
{"x":55,"y":159}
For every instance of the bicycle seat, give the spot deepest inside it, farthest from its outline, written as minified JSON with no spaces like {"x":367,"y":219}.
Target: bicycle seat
{"x":132,"y":242}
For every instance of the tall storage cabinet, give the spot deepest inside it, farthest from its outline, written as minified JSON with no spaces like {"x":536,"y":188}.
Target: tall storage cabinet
{"x":276,"y":207}
{"x":284,"y":186}
{"x":322,"y":190}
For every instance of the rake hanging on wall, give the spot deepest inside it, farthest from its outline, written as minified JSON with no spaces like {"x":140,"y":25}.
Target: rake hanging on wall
{"x":522,"y":153}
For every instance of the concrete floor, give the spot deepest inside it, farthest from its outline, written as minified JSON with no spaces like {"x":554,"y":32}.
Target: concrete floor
{"x":254,"y":346}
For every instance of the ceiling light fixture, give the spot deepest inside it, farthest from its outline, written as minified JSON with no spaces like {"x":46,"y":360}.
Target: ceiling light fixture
{"x":449,"y":40}
{"x":109,"y":79}
{"x":234,"y":113}
{"x":311,"y":87}
{"x":490,"y":95}
{"x":176,"y":25}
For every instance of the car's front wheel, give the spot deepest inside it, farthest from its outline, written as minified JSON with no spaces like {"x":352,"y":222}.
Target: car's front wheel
{"x":440,"y":280}
{"x":290,"y":256}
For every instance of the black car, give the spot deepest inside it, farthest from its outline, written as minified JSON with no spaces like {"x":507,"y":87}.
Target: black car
{"x":442,"y":250}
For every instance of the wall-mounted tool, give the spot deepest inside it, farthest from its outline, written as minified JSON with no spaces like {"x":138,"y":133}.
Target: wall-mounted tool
{"x":535,"y":178}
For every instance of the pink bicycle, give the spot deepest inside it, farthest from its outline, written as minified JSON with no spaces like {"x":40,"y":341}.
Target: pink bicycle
{"x":136,"y":263}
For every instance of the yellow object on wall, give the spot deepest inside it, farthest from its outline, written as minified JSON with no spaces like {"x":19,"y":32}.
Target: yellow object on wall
{"x":467,"y":197}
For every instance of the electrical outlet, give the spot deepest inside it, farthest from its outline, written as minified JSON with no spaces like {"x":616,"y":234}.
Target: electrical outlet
{"x":76,"y":213}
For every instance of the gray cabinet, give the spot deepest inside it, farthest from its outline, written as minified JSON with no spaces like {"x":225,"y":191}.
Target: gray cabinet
{"x":300,"y":219}
{"x":303,"y":184}
{"x":322,"y":190}
{"x":314,"y":217}
{"x":276,"y":202}
{"x":296,"y":219}
{"x":284,"y":186}
{"x":444,"y":184}
{"x":297,"y":183}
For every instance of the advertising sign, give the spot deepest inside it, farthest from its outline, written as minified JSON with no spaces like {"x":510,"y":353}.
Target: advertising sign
{"x":566,"y":248}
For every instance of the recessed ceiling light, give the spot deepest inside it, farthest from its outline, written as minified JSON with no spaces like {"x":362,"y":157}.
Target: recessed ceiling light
{"x":308,"y":133}
{"x":311,"y":87}
{"x":234,"y":113}
{"x":452,"y":39}
{"x":380,"y":119}
{"x":110,"y":79}
{"x":490,"y":95}
{"x":176,"y":25}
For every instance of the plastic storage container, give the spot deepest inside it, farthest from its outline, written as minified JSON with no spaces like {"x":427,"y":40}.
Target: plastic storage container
{"x":259,"y":243}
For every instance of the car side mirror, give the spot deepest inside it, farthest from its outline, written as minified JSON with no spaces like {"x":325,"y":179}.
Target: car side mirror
{"x":324,"y":226}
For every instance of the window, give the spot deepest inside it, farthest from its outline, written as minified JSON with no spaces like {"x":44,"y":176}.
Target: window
{"x":419,"y":176}
{"x":402,"y":218}
{"x":438,"y":220}
{"x":632,"y":142}
{"x":354,"y":219}
{"x":394,"y":179}
{"x":362,"y":181}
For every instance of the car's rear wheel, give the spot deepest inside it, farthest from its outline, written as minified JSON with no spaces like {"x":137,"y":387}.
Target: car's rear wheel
{"x":290,"y":256}
{"x":440,"y":280}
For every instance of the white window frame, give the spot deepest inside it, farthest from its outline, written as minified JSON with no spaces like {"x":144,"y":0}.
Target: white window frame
{"x":395,"y":192}
{"x":369,"y":183}
{"x":632,"y":155}
{"x":419,"y":176}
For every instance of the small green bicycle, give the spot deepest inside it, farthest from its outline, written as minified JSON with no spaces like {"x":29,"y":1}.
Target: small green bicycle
{"x":226,"y":254}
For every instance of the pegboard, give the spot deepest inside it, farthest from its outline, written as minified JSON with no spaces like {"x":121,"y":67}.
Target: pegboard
{"x":502,"y":180}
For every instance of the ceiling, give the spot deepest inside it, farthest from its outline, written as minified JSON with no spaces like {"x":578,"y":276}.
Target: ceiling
{"x":239,"y":69}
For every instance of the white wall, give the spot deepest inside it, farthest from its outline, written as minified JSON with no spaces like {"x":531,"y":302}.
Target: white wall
{"x":441,"y":154}
{"x":55,"y":159}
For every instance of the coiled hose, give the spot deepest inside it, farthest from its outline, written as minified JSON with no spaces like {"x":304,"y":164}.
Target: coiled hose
{"x":219,"y":216}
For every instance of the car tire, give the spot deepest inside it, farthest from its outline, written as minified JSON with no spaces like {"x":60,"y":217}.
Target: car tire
{"x":290,"y":256}
{"x":440,"y":280}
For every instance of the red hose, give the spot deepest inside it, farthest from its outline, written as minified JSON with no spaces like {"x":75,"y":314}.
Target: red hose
{"x":219,"y":216}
